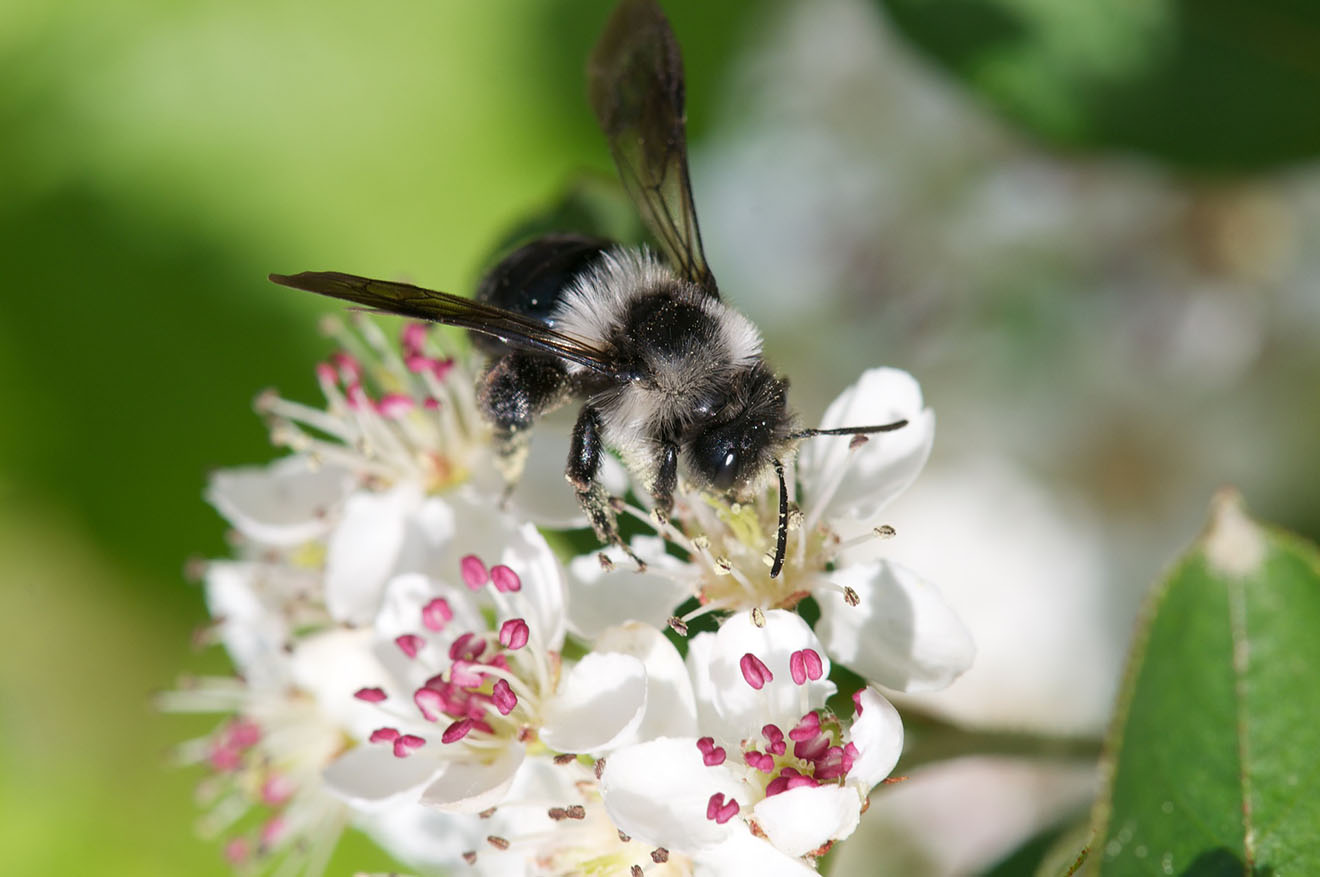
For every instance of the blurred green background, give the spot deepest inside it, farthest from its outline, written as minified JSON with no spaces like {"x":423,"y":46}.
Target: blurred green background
{"x":867,"y":186}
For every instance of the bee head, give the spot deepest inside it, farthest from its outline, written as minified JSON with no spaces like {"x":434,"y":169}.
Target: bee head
{"x":731,"y":451}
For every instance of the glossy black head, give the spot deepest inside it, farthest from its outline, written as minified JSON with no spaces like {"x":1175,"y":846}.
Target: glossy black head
{"x":734,"y":448}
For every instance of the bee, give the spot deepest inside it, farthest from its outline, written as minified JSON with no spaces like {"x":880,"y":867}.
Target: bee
{"x":670,"y":375}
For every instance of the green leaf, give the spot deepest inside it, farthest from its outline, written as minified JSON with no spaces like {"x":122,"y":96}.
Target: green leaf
{"x":1211,"y":761}
{"x":1211,"y":85}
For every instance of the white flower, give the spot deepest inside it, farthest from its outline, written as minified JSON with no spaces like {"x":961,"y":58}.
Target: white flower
{"x":408,"y":415}
{"x":883,"y":622}
{"x":473,"y":687}
{"x":777,"y":777}
{"x":552,"y":823}
{"x":267,"y":758}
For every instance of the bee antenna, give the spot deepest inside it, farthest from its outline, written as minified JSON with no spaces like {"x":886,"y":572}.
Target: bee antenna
{"x":781,"y":540}
{"x":849,"y":430}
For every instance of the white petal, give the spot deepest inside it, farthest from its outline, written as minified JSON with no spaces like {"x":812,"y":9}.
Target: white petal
{"x":369,"y":777}
{"x":860,"y":482}
{"x":671,"y":709}
{"x":331,"y":666}
{"x":657,"y":792}
{"x":541,"y":600}
{"x":364,"y":551}
{"x":499,"y":538}
{"x":423,"y":837}
{"x":284,"y":504}
{"x":700,"y":657}
{"x":901,"y":635}
{"x":429,"y":532}
{"x":598,"y":599}
{"x":780,"y":701}
{"x":406,"y":595}
{"x":470,"y":785}
{"x":252,"y":633}
{"x":543,"y":495}
{"x":878,"y":735}
{"x":601,"y":701}
{"x":806,"y":818}
{"x":744,"y":853}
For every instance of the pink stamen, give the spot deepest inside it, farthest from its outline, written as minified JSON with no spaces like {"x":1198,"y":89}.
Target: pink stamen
{"x":430,"y":703}
{"x":798,"y":781}
{"x":456,"y":731}
{"x":514,"y":633}
{"x":276,"y":790}
{"x":776,"y":739}
{"x":813,"y":749}
{"x":407,"y":744}
{"x":464,"y":675}
{"x":347,"y":365}
{"x":850,"y":754}
{"x":417,"y":363}
{"x":370,"y":695}
{"x":805,"y":664}
{"x":272,"y":831}
{"x":830,"y":765}
{"x":395,"y":405}
{"x":474,"y":572}
{"x":807,"y":728}
{"x":506,"y":580}
{"x":504,"y":698}
{"x":719,"y":811}
{"x":430,"y":403}
{"x":857,"y":701}
{"x":467,"y":647}
{"x":409,"y":643}
{"x":755,"y":671}
{"x":384,"y":735}
{"x":436,"y":614}
{"x":775,"y":786}
{"x":759,"y":760}
{"x":237,"y":851}
{"x":414,"y":336}
{"x":357,"y":397}
{"x":326,"y":374}
{"x":225,"y":759}
{"x":711,"y":755}
{"x":244,"y":733}
{"x":441,"y":368}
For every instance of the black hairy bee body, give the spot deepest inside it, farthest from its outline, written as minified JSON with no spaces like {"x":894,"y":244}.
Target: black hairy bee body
{"x":668,"y":373}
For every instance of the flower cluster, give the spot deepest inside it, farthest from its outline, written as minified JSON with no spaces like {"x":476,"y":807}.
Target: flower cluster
{"x":413,"y":658}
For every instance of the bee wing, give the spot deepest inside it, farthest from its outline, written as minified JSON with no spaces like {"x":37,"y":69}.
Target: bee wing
{"x":635,"y":80}
{"x":407,"y":300}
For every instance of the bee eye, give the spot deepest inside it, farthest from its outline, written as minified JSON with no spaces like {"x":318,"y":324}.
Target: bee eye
{"x":727,"y":471}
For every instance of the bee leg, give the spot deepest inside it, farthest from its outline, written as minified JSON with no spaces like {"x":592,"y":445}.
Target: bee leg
{"x":516,"y":389}
{"x":666,"y":480}
{"x":584,"y":458}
